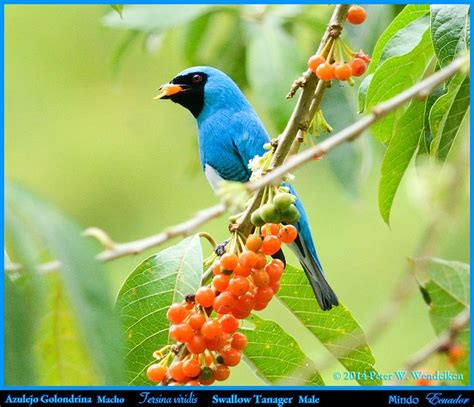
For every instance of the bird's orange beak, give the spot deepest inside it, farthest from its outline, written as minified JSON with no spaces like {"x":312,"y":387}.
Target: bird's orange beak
{"x":168,"y":89}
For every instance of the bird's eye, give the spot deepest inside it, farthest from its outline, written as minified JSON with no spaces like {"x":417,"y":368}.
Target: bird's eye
{"x":197,"y":78}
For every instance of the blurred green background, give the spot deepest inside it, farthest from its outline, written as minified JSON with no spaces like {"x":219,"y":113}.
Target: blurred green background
{"x":86,"y":135}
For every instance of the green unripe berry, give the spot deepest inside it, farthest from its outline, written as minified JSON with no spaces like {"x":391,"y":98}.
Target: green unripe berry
{"x":206,"y":373}
{"x":291,"y":215}
{"x":256,"y":218}
{"x":269,"y":213}
{"x":283,"y":200}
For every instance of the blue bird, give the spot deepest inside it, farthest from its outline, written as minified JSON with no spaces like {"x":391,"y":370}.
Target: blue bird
{"x":230,"y":135}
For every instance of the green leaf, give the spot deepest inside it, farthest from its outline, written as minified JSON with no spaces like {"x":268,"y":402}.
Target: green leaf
{"x":82,"y":276}
{"x":145,"y":297}
{"x":399,"y":153}
{"x":155,"y":17}
{"x":447,"y":285}
{"x":427,"y":137}
{"x":362,"y":92}
{"x":394,"y":76}
{"x":449,"y":28}
{"x":410,"y":13}
{"x":118,"y":8}
{"x":276,"y":356}
{"x":20,"y":369}
{"x":406,"y":39}
{"x":447,"y":115}
{"x":60,"y":351}
{"x":336,"y":329}
{"x":272,"y":64}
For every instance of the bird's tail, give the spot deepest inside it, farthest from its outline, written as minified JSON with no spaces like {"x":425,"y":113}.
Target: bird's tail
{"x":304,"y":249}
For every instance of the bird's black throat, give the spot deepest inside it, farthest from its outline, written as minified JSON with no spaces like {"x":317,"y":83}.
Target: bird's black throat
{"x":192,"y":98}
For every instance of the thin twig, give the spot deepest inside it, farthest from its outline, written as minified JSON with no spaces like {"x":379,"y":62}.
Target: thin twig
{"x":181,"y":229}
{"x":48,"y":267}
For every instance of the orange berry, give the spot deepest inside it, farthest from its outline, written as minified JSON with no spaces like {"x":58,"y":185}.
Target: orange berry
{"x":196,"y":320}
{"x":229,"y":261}
{"x":191,"y":367}
{"x":205,"y":296}
{"x":423,"y":382}
{"x":245,"y":302}
{"x":456,"y":353}
{"x":248,"y":259}
{"x":288,"y":233}
{"x":240,"y":313}
{"x":242,"y":271}
{"x":270,"y":229}
{"x":216,"y":343}
{"x":181,"y":332}
{"x":220,"y":282}
{"x":261,"y":278}
{"x":224,"y":303}
{"x":211,"y":329}
{"x":362,"y":56}
{"x":260,"y":305}
{"x":358,"y":66}
{"x":315,"y":61}
{"x":196,"y":344}
{"x":216,"y":268}
{"x":221,"y":372}
{"x":271,"y":244}
{"x":325,"y":72}
{"x":231,"y":357}
{"x":342,"y":72}
{"x":275,"y":286}
{"x":261,"y":261}
{"x":193,"y":383}
{"x":177,"y":313}
{"x":176,"y":372}
{"x":229,"y":323}
{"x":274,"y":271}
{"x":253,"y":243}
{"x":156,"y":373}
{"x":356,"y":15}
{"x":239,"y":341}
{"x":264,"y":294}
{"x":238,"y":286}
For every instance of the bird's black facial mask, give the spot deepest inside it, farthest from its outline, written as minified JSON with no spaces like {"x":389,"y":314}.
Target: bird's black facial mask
{"x":188,"y":91}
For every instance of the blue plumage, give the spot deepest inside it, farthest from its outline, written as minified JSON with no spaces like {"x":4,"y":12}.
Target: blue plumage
{"x":231,"y":134}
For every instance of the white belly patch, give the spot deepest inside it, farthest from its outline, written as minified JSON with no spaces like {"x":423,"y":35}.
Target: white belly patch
{"x":213,"y":177}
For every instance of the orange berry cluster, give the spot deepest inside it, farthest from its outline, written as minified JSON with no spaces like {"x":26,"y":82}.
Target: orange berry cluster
{"x":327,"y":69}
{"x":340,"y":71}
{"x":206,"y":323}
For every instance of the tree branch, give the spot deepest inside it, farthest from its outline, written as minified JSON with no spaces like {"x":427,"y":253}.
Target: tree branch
{"x":443,"y":342}
{"x":308,"y":103}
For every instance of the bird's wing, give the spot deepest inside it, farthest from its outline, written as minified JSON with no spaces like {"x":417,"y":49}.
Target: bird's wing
{"x":250,"y":136}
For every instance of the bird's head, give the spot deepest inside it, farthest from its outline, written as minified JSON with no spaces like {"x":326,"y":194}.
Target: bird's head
{"x":199,"y":87}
